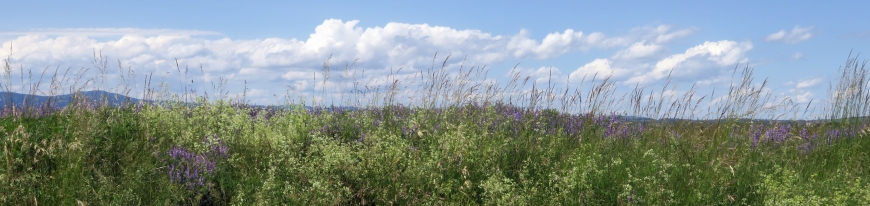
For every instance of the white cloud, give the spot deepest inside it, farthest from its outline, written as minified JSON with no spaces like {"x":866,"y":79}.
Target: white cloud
{"x":555,"y":44}
{"x":272,"y":65}
{"x":296,"y":75}
{"x":797,"y":56}
{"x":601,"y":67}
{"x":804,"y":97}
{"x":702,"y":62}
{"x":797,"y":34}
{"x":801,"y":93}
{"x":641,"y":46}
{"x":540,"y":75}
{"x":808,"y":83}
{"x":640,"y":50}
{"x":662,"y":34}
{"x":713,"y":80}
{"x":256,"y":92}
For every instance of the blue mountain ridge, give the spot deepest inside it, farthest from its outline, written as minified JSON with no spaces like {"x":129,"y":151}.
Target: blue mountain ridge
{"x":111,"y":99}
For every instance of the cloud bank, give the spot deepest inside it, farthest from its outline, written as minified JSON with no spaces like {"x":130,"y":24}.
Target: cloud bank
{"x":272,"y":66}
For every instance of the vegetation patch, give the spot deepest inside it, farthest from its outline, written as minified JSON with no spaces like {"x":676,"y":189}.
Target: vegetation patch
{"x":466,"y":143}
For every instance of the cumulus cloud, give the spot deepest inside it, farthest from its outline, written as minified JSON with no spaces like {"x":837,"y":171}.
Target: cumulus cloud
{"x":644,"y":57}
{"x":640,"y":50}
{"x":800,"y":92}
{"x":799,"y":95}
{"x":555,"y":44}
{"x":797,"y":34}
{"x":702,"y":62}
{"x":264,"y":62}
{"x":274,"y":64}
{"x":644,"y":41}
{"x":540,"y":75}
{"x":808,"y":83}
{"x":598,"y":68}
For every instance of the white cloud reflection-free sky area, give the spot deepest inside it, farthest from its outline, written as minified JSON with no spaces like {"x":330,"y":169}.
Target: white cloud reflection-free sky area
{"x":276,"y":45}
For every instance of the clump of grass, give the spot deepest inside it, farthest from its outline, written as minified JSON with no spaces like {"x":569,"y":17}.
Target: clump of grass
{"x":466,"y":140}
{"x":850,"y":96}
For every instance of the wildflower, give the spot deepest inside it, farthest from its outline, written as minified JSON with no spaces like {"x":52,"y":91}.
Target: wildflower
{"x":362,"y":138}
{"x":189,"y":168}
{"x":833,"y":134}
{"x":755,"y":133}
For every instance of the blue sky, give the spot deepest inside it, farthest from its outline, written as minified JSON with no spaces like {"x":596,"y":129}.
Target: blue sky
{"x":275,"y":44}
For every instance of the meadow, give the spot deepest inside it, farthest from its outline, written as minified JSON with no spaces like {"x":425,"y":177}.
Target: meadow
{"x":464,"y":142}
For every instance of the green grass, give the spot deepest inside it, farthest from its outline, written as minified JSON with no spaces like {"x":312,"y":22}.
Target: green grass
{"x":466,"y":153}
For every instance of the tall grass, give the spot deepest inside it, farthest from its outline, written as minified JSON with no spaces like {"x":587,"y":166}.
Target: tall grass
{"x":437,"y":136}
{"x":850,"y":96}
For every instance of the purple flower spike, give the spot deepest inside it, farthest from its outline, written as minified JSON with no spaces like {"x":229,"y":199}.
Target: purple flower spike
{"x":755,"y":133}
{"x":191,"y":169}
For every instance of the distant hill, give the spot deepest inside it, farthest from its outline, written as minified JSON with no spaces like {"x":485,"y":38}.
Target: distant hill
{"x":19,"y":100}
{"x":114,"y":100}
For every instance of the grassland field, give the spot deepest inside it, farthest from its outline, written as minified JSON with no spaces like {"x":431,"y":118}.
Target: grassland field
{"x":465,"y":144}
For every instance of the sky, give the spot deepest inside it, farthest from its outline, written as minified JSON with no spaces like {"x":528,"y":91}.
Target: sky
{"x":268,"y":49}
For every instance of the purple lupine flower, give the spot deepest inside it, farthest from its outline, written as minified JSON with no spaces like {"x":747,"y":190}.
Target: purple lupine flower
{"x":808,"y":145}
{"x":536,"y":112}
{"x":778,"y":134}
{"x":493,"y":125}
{"x":189,"y":168}
{"x":139,"y":108}
{"x":253,"y":112}
{"x":833,"y":135}
{"x":613,"y":119}
{"x":217,"y":148}
{"x":569,"y":130}
{"x":755,"y":133}
{"x":850,"y":132}
{"x":625,"y":132}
